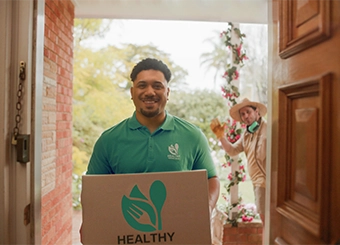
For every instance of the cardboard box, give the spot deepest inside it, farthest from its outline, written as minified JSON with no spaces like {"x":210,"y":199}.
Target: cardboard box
{"x":148,"y":208}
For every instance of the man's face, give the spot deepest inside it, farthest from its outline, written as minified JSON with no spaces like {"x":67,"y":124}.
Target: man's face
{"x":150,"y":93}
{"x":248,"y":115}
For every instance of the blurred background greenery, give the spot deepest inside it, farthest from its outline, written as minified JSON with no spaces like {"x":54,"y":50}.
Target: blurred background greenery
{"x":101,"y":92}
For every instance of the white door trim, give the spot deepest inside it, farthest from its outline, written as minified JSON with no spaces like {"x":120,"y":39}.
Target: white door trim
{"x":36,"y":133}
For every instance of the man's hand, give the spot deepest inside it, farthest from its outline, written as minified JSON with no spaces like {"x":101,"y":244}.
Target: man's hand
{"x":217,"y":128}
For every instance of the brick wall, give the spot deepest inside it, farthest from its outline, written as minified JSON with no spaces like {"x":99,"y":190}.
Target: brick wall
{"x":56,"y":213}
{"x":244,"y":234}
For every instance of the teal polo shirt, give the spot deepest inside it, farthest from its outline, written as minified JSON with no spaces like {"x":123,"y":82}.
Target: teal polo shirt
{"x":128,"y":147}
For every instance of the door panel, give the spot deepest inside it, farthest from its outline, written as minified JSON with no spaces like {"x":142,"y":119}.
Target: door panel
{"x":305,"y":122}
{"x":304,"y":108}
{"x":303,"y":23}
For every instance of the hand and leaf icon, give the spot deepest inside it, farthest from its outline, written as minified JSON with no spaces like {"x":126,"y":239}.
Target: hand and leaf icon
{"x":141,"y":213}
{"x":173,"y":149}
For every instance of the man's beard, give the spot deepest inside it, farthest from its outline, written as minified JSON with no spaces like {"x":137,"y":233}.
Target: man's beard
{"x":149,"y":113}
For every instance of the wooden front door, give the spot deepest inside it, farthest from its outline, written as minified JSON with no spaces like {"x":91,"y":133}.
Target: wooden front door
{"x":305,"y":122}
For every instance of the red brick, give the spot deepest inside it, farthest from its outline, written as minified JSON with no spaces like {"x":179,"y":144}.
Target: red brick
{"x":230,"y":238}
{"x":57,"y":203}
{"x":244,"y":234}
{"x":254,"y":238}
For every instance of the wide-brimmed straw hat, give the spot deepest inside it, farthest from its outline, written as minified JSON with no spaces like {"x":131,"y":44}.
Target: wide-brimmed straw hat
{"x":234,"y":111}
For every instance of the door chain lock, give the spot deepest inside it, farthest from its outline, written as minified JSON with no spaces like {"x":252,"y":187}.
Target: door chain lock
{"x":21,"y":141}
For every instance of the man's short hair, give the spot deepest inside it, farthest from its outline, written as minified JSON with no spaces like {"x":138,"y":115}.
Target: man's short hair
{"x":150,"y":64}
{"x":253,"y":107}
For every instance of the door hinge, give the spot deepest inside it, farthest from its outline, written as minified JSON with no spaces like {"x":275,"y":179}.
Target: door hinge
{"x":27,"y":214}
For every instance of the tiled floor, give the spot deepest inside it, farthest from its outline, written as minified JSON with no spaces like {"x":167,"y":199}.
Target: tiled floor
{"x":76,"y":222}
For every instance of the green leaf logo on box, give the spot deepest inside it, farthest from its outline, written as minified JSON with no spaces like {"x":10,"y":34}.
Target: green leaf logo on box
{"x":141,"y":213}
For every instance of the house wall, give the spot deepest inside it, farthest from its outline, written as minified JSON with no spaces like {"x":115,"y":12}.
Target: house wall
{"x":56,"y":206}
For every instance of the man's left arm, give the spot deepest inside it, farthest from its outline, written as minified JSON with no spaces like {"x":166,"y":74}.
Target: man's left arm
{"x":214,"y":191}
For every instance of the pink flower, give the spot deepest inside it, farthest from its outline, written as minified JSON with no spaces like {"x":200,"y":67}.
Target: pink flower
{"x":238,"y":50}
{"x":241,"y":167}
{"x":236,"y":75}
{"x":245,"y":218}
{"x":230,"y":176}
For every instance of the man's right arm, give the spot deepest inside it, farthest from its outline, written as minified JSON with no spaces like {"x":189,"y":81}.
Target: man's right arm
{"x":231,"y":149}
{"x":98,"y":163}
{"x":226,"y":144}
{"x":219,"y":131}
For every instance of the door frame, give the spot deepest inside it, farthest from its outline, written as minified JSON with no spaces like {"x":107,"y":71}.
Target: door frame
{"x":20,"y":186}
{"x":5,"y":26}
{"x":36,"y":127}
{"x":270,"y":26}
{"x":35,"y":19}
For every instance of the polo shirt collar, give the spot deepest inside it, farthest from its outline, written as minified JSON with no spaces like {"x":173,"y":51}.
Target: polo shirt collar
{"x":167,"y":125}
{"x":169,"y":122}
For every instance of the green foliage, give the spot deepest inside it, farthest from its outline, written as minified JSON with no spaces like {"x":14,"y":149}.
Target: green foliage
{"x":85,"y":29}
{"x":198,"y":107}
{"x":254,"y":73}
{"x":79,"y":159}
{"x":123,"y":59}
{"x":97,"y":111}
{"x":101,"y":96}
{"x":101,"y":82}
{"x":76,"y":190}
{"x":101,"y":92}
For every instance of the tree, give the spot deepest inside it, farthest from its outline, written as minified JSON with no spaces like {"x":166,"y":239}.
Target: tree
{"x":101,"y":92}
{"x":254,"y":74}
{"x":198,"y":107}
{"x":127,"y":55}
{"x":217,"y":59}
{"x":88,"y":29}
{"x":101,"y":84}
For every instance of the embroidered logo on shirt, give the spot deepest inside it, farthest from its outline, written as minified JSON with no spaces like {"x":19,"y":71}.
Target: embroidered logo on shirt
{"x":173,"y":149}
